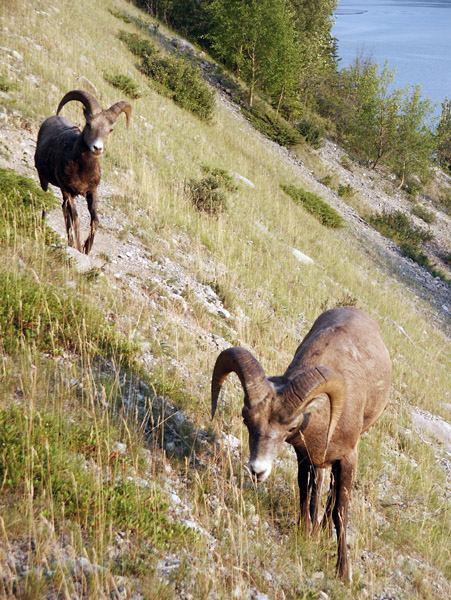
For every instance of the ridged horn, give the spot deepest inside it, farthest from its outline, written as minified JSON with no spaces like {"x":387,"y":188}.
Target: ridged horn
{"x":252,"y":376}
{"x":88,"y":101}
{"x":119,"y":107}
{"x":320,"y":380}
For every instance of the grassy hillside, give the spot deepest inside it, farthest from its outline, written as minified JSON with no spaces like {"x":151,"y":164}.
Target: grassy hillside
{"x":113,"y":481}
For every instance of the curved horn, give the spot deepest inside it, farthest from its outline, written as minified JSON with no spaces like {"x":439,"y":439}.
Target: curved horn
{"x":320,"y":380}
{"x":119,"y":107}
{"x":88,"y":100}
{"x":249,"y":370}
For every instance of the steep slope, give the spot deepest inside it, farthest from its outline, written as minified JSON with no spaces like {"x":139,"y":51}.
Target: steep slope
{"x":186,"y":285}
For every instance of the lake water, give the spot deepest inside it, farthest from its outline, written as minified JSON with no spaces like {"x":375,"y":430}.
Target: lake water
{"x":415,"y":37}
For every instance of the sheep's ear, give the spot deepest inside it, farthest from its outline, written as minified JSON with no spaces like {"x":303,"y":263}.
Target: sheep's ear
{"x":315,"y":403}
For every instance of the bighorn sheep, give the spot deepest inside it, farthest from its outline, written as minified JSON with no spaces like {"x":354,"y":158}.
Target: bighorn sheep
{"x":67,"y":157}
{"x":335,"y":388}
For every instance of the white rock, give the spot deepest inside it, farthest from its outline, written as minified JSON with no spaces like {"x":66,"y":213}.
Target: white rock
{"x":81,"y":262}
{"x":302,"y":258}
{"x":242,"y":179}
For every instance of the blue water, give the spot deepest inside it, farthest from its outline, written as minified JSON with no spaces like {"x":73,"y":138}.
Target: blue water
{"x":415,"y":37}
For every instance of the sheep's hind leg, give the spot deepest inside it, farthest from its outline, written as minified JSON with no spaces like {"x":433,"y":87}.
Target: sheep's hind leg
{"x":344,"y":471}
{"x":72,"y":221}
{"x":91,"y":199}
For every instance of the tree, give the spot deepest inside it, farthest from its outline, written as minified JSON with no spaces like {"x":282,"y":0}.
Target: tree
{"x":317,"y":48}
{"x":414,"y":140}
{"x":256,"y":38}
{"x":372,"y":109}
{"x":443,"y":136}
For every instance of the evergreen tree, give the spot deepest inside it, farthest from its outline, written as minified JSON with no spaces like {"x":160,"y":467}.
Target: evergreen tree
{"x":443,"y":136}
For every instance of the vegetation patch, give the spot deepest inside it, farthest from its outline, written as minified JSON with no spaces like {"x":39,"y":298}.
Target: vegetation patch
{"x":23,"y":206}
{"x":176,"y":78}
{"x":273,"y":126}
{"x":397,"y":226}
{"x":5,"y":84}
{"x":52,"y":319}
{"x":124,"y":83}
{"x":207,"y":195}
{"x":315,"y":205}
{"x":345,"y":190}
{"x":312,"y":130}
{"x":423,"y":213}
{"x":57,"y":461}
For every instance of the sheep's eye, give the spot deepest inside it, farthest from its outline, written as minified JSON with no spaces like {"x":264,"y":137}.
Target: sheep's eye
{"x":292,"y":429}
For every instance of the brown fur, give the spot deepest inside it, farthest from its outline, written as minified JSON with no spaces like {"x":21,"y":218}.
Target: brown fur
{"x":64,"y":158}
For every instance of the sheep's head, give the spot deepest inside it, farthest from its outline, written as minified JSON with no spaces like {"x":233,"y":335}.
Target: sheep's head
{"x":99,"y":122}
{"x":274,"y":406}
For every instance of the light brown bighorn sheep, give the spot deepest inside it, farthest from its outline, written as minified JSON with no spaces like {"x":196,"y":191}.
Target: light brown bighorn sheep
{"x":67,"y":157}
{"x":335,"y":388}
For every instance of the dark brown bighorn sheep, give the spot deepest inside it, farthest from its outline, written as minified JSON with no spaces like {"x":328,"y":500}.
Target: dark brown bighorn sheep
{"x":67,"y":157}
{"x":335,"y":388}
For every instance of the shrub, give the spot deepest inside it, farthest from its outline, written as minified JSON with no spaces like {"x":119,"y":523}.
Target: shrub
{"x":273,"y":127}
{"x":124,"y":83}
{"x":5,"y":84}
{"x":223,"y":176}
{"x":312,"y":131}
{"x":327,"y":180}
{"x":327,"y":215}
{"x":397,"y":226}
{"x":176,"y":78}
{"x":423,"y":213}
{"x":207,"y":195}
{"x":346,"y":191}
{"x":138,"y":45}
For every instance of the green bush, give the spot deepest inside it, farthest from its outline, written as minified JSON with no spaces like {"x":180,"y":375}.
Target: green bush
{"x":423,"y":213}
{"x":226,"y":180}
{"x":346,"y":191}
{"x":312,"y":131}
{"x":123,"y":83}
{"x":327,"y":215}
{"x":397,"y":226}
{"x":273,"y":127}
{"x":207,"y":195}
{"x":177,"y":78}
{"x":138,"y":45}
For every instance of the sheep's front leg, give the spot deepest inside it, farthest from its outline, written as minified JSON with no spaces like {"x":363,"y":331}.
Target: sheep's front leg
{"x":343,"y":471}
{"x":91,"y":199}
{"x":317,"y":483}
{"x":72,"y":221}
{"x":305,"y":481}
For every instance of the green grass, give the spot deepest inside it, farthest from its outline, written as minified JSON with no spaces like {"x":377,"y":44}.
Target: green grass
{"x":326,"y":215}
